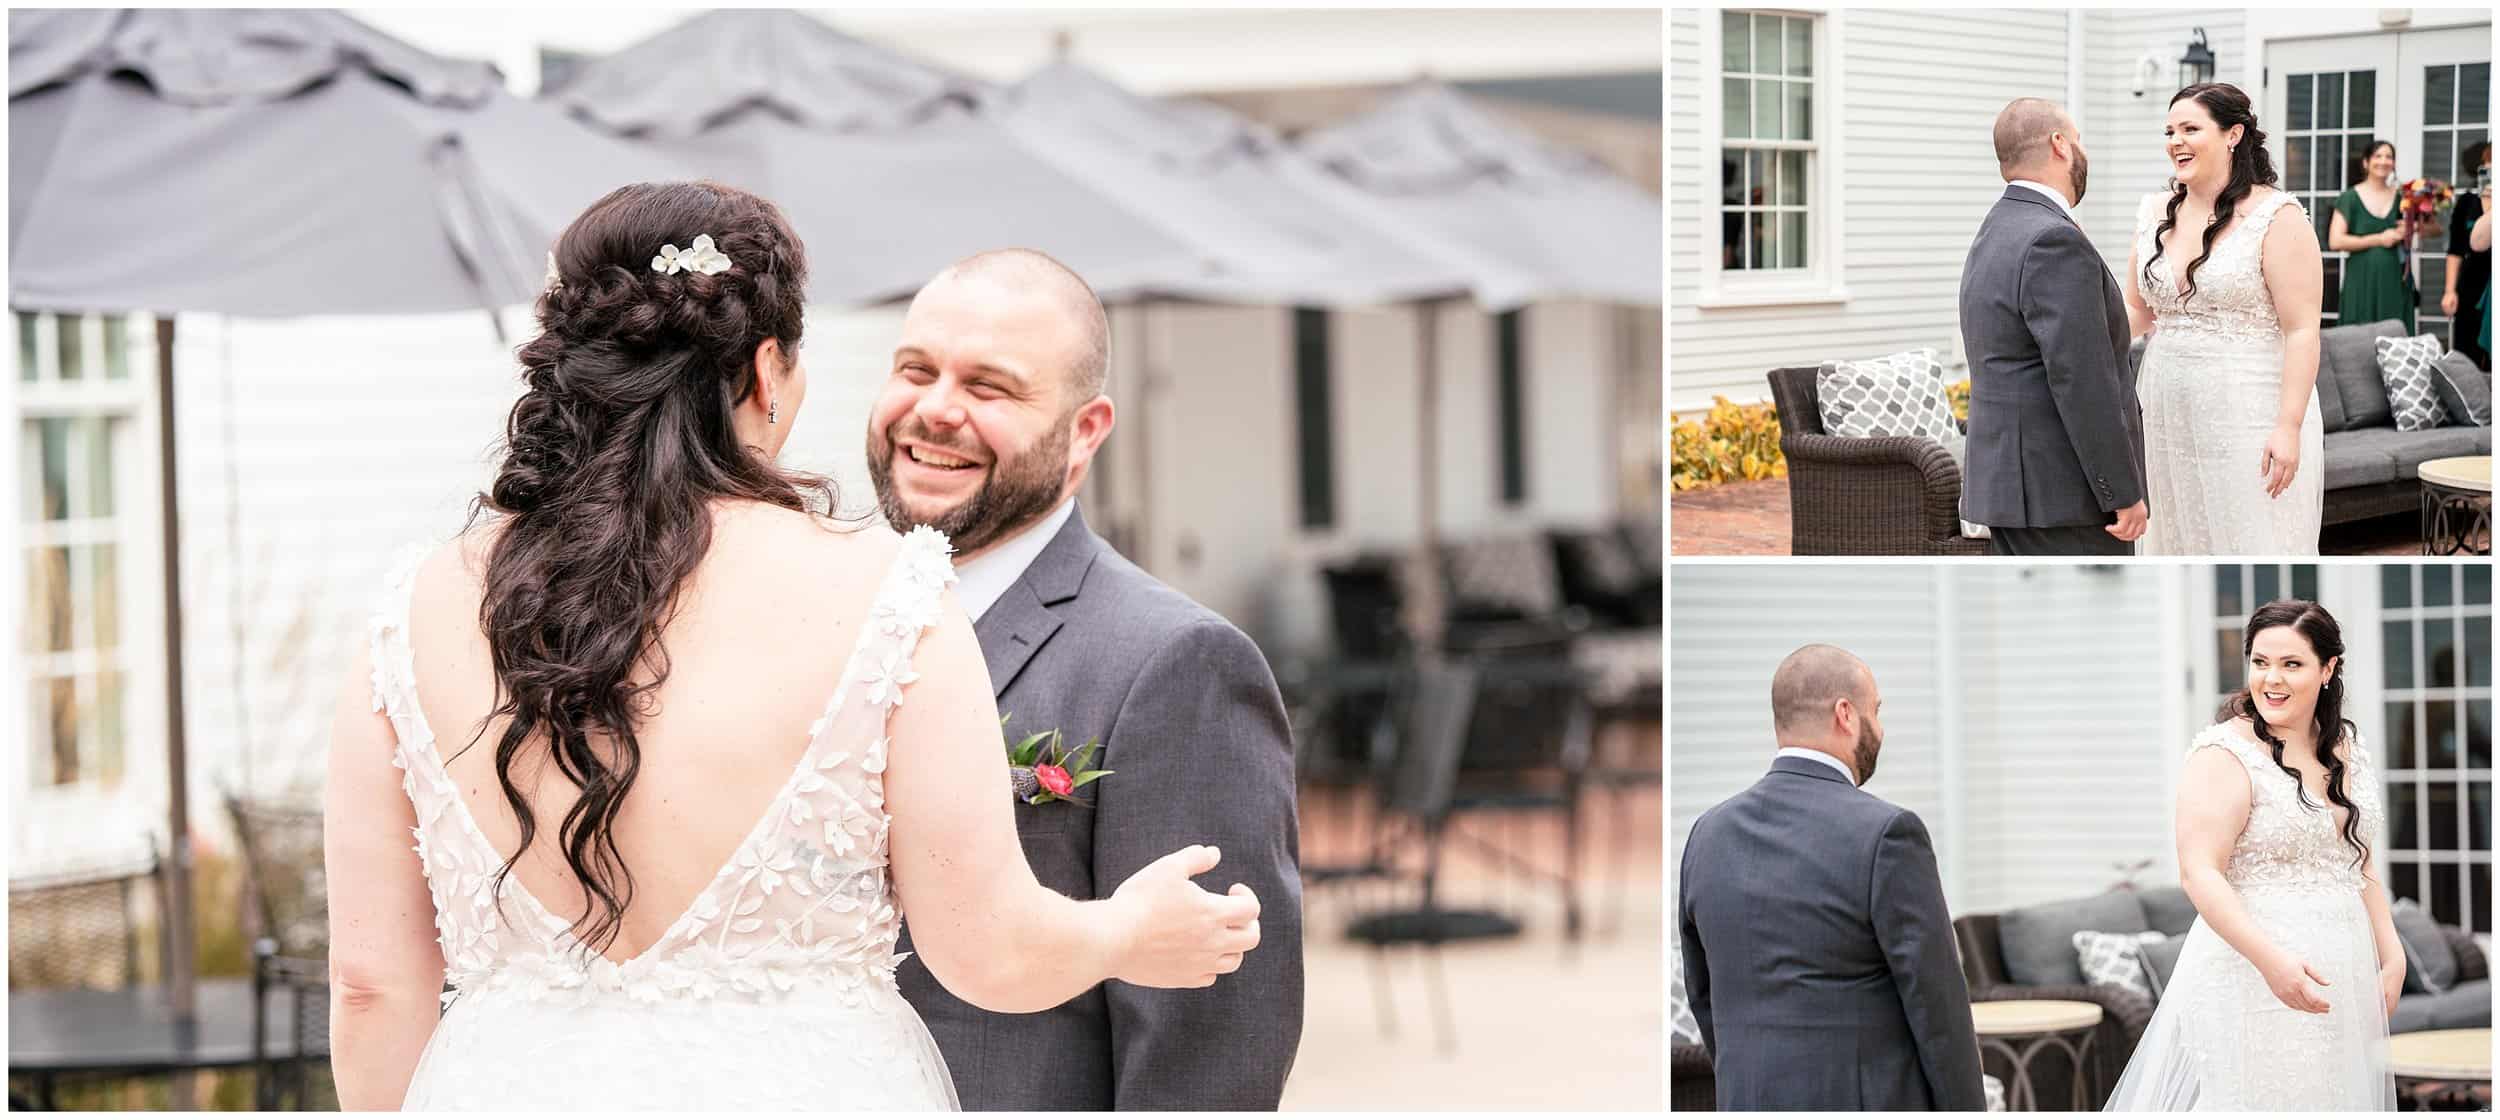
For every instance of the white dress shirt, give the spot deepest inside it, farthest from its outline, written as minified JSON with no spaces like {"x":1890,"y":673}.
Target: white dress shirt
{"x":981,"y":580}
{"x":2054,"y":195}
{"x":1825,"y":759}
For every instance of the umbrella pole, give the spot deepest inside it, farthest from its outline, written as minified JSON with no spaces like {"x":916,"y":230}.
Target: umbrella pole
{"x":1427,"y":613}
{"x":178,"y":939}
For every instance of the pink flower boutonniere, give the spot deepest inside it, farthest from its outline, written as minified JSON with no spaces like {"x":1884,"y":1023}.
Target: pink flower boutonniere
{"x":1040,"y":769}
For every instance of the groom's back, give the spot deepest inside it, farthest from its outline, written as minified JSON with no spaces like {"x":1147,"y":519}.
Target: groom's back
{"x":1777,"y":888}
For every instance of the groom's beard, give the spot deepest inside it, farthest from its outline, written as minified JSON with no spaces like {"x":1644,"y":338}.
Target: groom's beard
{"x":2081,"y":171}
{"x":1869,"y":745}
{"x":1018,"y":491}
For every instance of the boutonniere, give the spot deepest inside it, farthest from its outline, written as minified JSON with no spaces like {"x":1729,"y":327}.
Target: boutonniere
{"x":1041,"y":770}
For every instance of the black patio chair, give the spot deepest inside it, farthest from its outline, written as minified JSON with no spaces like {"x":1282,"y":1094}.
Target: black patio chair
{"x":76,"y":930}
{"x":302,"y":1082}
{"x":1434,"y":714}
{"x":283,"y":871}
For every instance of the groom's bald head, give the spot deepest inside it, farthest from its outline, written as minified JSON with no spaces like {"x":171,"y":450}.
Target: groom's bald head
{"x":1810,"y":681}
{"x":2022,"y":134}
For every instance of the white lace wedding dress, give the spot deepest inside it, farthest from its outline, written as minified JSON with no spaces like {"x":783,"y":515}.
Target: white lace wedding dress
{"x":775,"y":989}
{"x":2219,"y":1040}
{"x":2210,"y":384}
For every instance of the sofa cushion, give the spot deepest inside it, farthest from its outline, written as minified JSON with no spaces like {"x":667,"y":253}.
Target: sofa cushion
{"x":2430,"y":964}
{"x":2348,"y":359}
{"x":2472,"y":964}
{"x":2167,"y":909}
{"x":2161,"y":960}
{"x":2405,"y":369}
{"x":2351,"y":460}
{"x":2463,"y":1007}
{"x":2405,"y":451}
{"x":2038,"y":941}
{"x":2464,"y":391}
{"x":2114,"y":959}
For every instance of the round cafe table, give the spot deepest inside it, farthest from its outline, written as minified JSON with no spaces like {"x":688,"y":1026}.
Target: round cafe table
{"x":2449,"y":1070}
{"x":2020,"y":1030}
{"x":2456,"y":506}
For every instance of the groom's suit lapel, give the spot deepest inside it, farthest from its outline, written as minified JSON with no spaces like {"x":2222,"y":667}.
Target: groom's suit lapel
{"x":1022,"y":621}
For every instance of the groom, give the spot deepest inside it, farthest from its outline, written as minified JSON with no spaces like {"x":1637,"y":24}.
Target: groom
{"x":2054,"y":463}
{"x":993,"y":412}
{"x":1818,"y":955}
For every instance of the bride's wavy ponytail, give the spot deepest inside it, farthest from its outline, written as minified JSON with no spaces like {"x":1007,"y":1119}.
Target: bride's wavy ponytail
{"x":612,"y":460}
{"x":2326,"y":640}
{"x":2251,"y":168}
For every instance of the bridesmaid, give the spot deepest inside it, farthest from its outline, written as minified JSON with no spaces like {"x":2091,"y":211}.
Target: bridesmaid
{"x":2367,"y":227}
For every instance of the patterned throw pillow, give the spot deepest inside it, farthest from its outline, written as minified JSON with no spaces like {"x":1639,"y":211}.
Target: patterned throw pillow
{"x":2408,"y":367}
{"x":1681,"y":1026}
{"x":2464,"y":390}
{"x":1896,"y":395}
{"x":2115,"y":958}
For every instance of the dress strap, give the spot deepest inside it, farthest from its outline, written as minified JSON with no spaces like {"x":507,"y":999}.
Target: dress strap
{"x":2262,"y":215}
{"x":386,"y":632}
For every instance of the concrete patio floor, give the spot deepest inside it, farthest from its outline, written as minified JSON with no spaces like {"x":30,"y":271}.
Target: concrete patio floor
{"x":1751,"y":519}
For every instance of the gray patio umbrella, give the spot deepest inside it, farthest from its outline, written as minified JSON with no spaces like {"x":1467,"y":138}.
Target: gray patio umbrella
{"x":880,"y":161}
{"x":270,"y":163}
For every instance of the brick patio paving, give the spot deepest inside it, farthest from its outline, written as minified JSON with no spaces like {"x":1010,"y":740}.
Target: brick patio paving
{"x":1751,"y":519}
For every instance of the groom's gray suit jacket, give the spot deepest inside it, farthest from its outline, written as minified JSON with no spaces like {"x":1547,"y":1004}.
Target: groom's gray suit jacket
{"x":1189,"y":717}
{"x":1818,"y":955}
{"x":2056,"y":437}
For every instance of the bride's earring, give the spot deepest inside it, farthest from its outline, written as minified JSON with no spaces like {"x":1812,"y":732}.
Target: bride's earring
{"x":772,"y":414}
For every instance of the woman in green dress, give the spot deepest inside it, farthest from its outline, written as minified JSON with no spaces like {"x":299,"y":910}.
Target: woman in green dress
{"x":2369,"y":229}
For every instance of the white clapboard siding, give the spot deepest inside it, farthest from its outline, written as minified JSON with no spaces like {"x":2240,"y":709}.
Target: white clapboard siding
{"x":2122,"y":132}
{"x":1921,"y":89}
{"x":2054,"y":672}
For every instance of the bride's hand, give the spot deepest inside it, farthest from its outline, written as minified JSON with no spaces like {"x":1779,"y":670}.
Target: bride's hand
{"x":2281,"y":460}
{"x":1177,"y":935}
{"x":2289,"y":978}
{"x":2391,"y":983}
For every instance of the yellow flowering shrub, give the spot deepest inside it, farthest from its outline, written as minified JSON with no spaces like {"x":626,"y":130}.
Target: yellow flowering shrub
{"x":1735,"y":441}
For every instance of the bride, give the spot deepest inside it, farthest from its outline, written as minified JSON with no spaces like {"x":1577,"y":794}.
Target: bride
{"x":699,"y":749}
{"x":2233,"y":440}
{"x":2282,"y":990}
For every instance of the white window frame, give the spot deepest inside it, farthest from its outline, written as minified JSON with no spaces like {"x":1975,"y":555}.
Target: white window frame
{"x":42,"y":834}
{"x":1824,"y":279}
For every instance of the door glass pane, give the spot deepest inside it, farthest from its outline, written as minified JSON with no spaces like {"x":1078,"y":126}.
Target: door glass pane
{"x":1800,"y":111}
{"x":2305,"y":582}
{"x":1735,"y":42}
{"x":2478,"y":734}
{"x":47,"y":600}
{"x":1792,"y":240}
{"x":2480,"y":875}
{"x":2402,"y":820}
{"x":52,"y":434}
{"x":2474,"y":93}
{"x":27,"y":363}
{"x":2444,"y":904}
{"x":2395,"y":585}
{"x":1792,"y":178}
{"x":2399,"y":649}
{"x":2228,"y":668}
{"x":96,"y":432}
{"x":2439,"y":653}
{"x":2402,"y":746}
{"x":2478,"y":653}
{"x":2227,"y":591}
{"x":106,"y":739}
{"x":72,"y":347}
{"x":116,"y":348}
{"x":61,"y":710}
{"x":2478,"y":585}
{"x":104,"y":588}
{"x":2363,"y":100}
{"x":1736,"y":108}
{"x":2442,"y":815}
{"x":2478,"y":820}
{"x":1800,"y":47}
{"x":2330,"y":101}
{"x":2404,"y":879}
{"x":2298,"y":105}
{"x":2296,"y":162}
{"x":2436,"y":582}
{"x":2439,"y":96}
{"x":2269,"y":584}
{"x":1766,"y":110}
{"x":2327,"y":171}
{"x":2440,"y":733}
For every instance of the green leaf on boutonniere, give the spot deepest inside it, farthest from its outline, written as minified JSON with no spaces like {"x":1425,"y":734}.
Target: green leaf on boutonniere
{"x":1078,"y":781}
{"x":1083,"y":756}
{"x":1029,"y":751}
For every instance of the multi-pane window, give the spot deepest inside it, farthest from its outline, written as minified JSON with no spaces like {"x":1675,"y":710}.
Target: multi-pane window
{"x":2456,"y":115}
{"x":79,"y":388}
{"x":1768,"y":149}
{"x":2333,"y":118}
{"x":2435,"y":623}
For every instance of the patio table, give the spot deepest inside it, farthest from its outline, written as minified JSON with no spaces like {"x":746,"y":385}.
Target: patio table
{"x":132,"y":1031}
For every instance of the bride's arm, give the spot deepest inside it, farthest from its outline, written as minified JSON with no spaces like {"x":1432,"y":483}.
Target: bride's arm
{"x":386,"y":969}
{"x":2139,"y":316}
{"x":2213,"y":811}
{"x":2391,"y":952}
{"x":988,"y":930}
{"x":2295,"y":281}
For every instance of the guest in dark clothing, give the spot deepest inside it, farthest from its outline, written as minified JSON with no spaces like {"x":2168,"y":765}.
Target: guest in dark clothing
{"x":2469,"y":269}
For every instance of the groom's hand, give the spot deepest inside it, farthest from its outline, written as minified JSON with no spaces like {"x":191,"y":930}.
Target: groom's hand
{"x":2130,"y":523}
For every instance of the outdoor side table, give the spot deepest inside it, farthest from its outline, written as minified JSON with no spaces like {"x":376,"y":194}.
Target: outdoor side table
{"x":2456,"y":506}
{"x":2020,"y":1030}
{"x":132,"y":1031}
{"x":2448,"y":1071}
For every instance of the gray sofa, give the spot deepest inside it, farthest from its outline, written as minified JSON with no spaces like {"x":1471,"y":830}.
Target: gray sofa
{"x":2370,"y":466}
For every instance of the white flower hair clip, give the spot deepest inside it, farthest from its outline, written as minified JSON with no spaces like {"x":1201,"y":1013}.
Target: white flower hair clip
{"x":698,"y":257}
{"x":555,"y":279}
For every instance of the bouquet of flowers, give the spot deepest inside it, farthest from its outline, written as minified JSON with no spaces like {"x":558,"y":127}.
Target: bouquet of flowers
{"x":2424,"y":199}
{"x":1040,"y":769}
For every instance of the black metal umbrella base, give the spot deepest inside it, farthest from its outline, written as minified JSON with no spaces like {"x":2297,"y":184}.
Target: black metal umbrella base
{"x":1409,"y":927}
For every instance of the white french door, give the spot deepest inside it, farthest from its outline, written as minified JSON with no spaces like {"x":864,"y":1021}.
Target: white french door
{"x":2329,"y":100}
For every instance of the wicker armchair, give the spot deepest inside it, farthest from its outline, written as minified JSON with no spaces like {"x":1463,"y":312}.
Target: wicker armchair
{"x":1692,"y":1086}
{"x":1884,"y":496}
{"x":2124,"y":1013}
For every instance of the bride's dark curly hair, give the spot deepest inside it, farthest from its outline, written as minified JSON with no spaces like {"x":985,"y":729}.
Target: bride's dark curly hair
{"x":2326,"y":640}
{"x":2251,"y":168}
{"x":613,"y":458}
